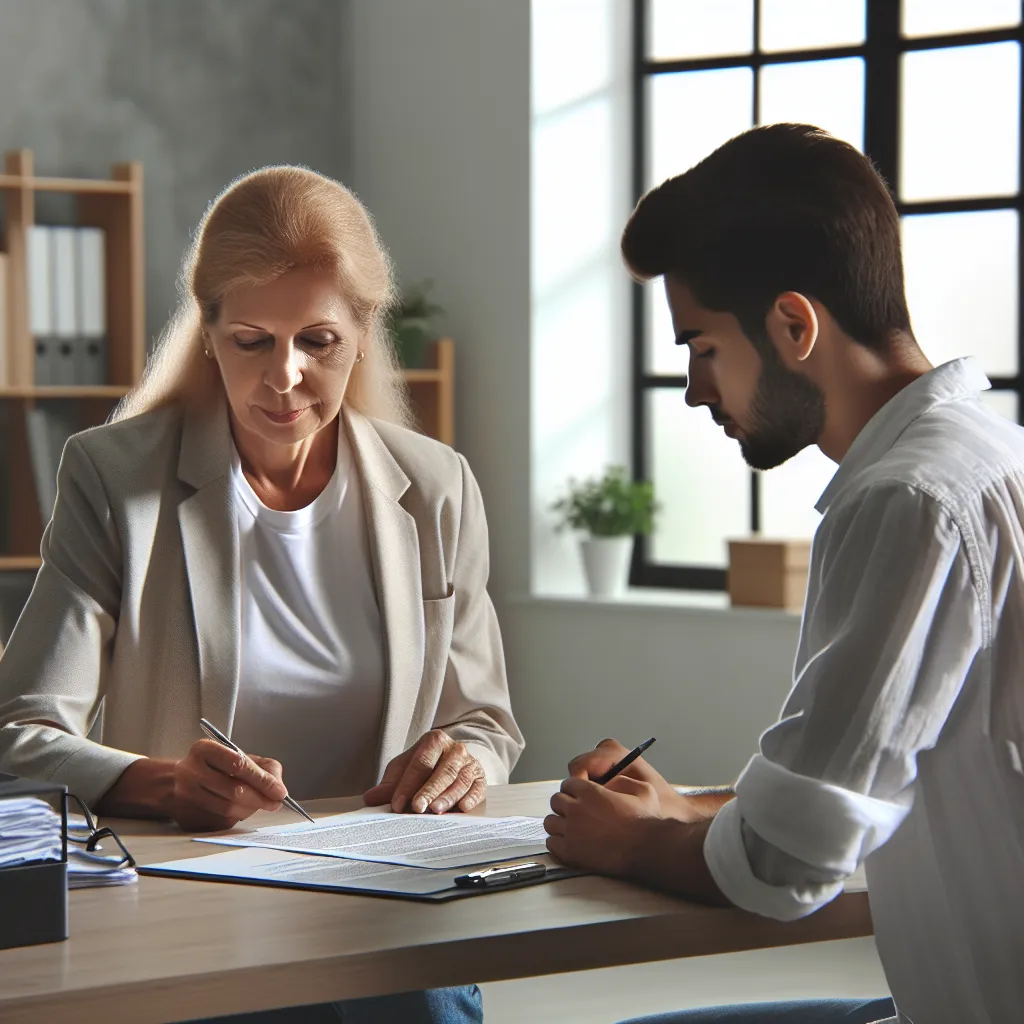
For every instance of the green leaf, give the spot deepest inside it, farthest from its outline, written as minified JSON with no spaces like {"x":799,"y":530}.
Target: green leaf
{"x":608,"y":506}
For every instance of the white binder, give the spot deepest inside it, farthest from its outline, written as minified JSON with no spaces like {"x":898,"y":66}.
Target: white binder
{"x":40,"y":300}
{"x":65,"y":304}
{"x":91,"y":345}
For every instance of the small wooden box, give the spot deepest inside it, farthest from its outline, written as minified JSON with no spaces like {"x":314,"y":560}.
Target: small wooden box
{"x":769,"y":573}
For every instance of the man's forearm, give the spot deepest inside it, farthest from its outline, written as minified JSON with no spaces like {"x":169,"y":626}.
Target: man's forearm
{"x":703,"y":802}
{"x":671,"y":859}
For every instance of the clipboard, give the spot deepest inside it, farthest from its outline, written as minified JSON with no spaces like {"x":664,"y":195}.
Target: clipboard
{"x":279,"y":870}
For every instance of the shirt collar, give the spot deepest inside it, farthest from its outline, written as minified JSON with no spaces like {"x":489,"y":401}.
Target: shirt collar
{"x":947,"y":383}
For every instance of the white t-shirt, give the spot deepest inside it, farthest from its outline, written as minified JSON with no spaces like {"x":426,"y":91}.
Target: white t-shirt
{"x":311,"y":679}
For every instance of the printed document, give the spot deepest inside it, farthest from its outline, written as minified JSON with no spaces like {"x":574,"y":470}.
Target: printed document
{"x":406,"y":840}
{"x":276,"y":868}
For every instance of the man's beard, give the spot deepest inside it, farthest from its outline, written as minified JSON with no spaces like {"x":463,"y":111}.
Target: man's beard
{"x":787,"y":414}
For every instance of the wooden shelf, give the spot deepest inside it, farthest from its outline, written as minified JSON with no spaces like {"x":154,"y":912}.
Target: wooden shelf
{"x":55,"y":391}
{"x":423,"y":376}
{"x":432,"y":392}
{"x":76,"y":186}
{"x":20,"y":563}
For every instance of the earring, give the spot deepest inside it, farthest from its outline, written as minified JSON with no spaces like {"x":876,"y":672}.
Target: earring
{"x":206,"y":352}
{"x":361,"y":356}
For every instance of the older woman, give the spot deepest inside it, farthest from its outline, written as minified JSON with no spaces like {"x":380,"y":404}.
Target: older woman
{"x":258,"y":539}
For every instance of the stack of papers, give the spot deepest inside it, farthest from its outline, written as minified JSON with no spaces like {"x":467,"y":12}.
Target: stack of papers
{"x":87,"y":869}
{"x":92,"y":869}
{"x":30,"y":831}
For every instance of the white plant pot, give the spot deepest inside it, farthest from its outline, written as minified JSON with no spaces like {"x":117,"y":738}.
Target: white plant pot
{"x":606,"y":564}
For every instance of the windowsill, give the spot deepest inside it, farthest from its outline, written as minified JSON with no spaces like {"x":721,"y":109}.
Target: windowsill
{"x":646,"y":598}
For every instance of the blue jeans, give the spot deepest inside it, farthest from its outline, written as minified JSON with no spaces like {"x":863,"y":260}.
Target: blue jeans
{"x":463,"y":1005}
{"x":813,"y":1011}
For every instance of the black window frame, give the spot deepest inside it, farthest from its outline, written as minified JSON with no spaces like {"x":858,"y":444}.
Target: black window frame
{"x":882,"y":52}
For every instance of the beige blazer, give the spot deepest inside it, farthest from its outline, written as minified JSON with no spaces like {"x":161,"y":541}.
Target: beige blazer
{"x":136,"y":606}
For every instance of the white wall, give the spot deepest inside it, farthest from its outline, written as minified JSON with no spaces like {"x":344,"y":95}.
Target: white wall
{"x":580,"y":198}
{"x":706,"y":682}
{"x":443,"y":134}
{"x":441,"y":155}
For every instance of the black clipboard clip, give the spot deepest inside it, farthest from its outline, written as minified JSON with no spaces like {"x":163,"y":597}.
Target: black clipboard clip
{"x":491,"y":878}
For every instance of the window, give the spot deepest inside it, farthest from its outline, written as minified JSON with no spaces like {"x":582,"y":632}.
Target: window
{"x":931,"y":91}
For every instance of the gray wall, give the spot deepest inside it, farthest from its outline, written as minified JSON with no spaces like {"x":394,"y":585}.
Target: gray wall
{"x":705,"y":681}
{"x":198,"y":90}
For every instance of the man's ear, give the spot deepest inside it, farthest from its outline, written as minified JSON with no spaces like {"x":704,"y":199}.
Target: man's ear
{"x":792,"y":325}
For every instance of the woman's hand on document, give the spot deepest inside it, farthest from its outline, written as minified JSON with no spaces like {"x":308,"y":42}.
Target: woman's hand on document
{"x":215,"y":788}
{"x":437,"y":774}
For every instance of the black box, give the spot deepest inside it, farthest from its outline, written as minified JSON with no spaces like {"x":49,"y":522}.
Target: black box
{"x":34,"y":897}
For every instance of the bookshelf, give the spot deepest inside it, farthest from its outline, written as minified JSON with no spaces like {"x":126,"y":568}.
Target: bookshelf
{"x":115,"y":206}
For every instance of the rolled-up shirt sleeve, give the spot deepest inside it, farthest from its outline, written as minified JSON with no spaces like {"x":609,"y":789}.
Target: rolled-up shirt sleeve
{"x":893,"y":625}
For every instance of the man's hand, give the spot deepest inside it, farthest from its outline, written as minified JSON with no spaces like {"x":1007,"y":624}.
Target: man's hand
{"x":594,"y":763}
{"x":602,"y":828}
{"x":215,"y":788}
{"x":619,"y":829}
{"x":437,"y":775}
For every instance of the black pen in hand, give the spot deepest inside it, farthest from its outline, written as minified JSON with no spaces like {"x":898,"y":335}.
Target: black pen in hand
{"x":621,"y":766}
{"x":215,"y":734}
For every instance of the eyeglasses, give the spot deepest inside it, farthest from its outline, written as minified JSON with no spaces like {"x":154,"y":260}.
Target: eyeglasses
{"x":91,"y":842}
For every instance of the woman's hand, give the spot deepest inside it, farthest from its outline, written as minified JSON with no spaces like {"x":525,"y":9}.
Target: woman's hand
{"x":437,"y":774}
{"x":215,"y":788}
{"x":210,"y":789}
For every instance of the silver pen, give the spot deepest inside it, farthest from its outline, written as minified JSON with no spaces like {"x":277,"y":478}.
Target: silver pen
{"x":215,"y":734}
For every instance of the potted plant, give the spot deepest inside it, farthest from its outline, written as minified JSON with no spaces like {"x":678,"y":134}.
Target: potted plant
{"x":612,"y":510}
{"x":413,"y":324}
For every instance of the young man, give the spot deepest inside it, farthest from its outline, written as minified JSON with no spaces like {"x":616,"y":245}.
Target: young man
{"x":902,"y":740}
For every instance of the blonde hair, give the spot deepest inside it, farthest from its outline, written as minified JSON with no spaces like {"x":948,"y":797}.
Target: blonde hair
{"x":261,"y":226}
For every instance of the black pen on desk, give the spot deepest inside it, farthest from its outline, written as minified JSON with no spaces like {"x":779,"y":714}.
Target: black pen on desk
{"x":617,"y":769}
{"x":215,"y":734}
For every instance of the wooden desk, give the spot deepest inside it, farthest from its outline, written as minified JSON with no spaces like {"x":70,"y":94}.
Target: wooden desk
{"x":170,"y":950}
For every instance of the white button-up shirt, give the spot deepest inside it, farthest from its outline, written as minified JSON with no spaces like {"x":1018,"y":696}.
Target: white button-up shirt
{"x":901,"y":741}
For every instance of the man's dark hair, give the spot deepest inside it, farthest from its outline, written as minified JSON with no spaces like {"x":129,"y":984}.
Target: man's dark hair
{"x":786,"y":207}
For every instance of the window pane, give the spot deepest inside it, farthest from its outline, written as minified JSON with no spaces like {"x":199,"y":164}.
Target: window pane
{"x":692,"y":114}
{"x":960,"y":117}
{"x":1002,"y":402}
{"x":555,"y":80}
{"x":940,"y":17}
{"x":789,"y":493}
{"x":961,"y":273}
{"x":826,"y":93}
{"x":663,"y":354}
{"x":572,"y":208}
{"x":700,"y":479}
{"x":700,"y":28}
{"x":809,"y":24}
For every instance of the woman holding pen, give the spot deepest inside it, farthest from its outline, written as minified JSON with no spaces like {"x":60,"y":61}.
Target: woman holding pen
{"x":259,"y":539}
